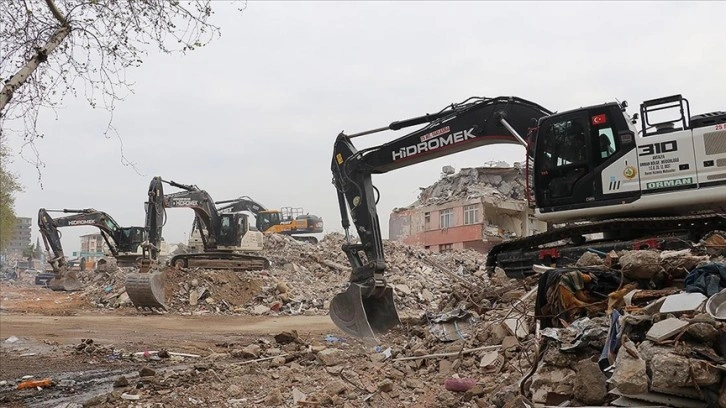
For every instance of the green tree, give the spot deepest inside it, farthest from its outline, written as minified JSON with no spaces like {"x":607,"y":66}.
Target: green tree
{"x":38,"y":249}
{"x":8,"y":187}
{"x":29,"y":252}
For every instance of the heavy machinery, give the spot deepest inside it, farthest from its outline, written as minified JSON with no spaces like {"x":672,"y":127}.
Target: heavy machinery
{"x":227,"y":241}
{"x":124,"y":243}
{"x":588,"y":167}
{"x":287,"y":221}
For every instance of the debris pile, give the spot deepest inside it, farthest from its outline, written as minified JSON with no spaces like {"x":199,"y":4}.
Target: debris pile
{"x":633,"y":328}
{"x":491,"y":183}
{"x":627,"y":328}
{"x":302,"y":278}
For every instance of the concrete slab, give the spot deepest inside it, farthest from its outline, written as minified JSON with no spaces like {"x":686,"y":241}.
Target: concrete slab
{"x":665,"y":329}
{"x":683,"y":302}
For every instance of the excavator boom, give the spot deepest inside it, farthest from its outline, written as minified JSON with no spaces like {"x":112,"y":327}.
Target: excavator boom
{"x":367,"y":307}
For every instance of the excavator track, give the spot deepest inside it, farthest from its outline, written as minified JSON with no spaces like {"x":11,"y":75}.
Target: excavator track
{"x":221,"y":260}
{"x":517,"y":256}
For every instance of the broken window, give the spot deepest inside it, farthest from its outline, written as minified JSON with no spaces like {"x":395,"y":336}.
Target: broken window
{"x":447,"y":218}
{"x":427,"y":221}
{"x":446,"y":247}
{"x":471,"y":214}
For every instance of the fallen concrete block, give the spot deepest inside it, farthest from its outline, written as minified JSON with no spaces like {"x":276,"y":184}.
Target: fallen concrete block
{"x":665,"y":329}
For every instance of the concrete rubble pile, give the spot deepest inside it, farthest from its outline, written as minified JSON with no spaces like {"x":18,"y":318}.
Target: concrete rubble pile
{"x":627,"y":328}
{"x":653,"y":335}
{"x":492,"y":183}
{"x":302,"y":278}
{"x":469,"y":350}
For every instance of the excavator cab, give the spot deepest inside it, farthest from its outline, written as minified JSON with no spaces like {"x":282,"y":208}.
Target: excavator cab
{"x":267,"y":219}
{"x":572,"y":157}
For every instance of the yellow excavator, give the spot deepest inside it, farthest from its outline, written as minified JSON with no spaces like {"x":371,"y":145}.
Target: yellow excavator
{"x":287,"y":221}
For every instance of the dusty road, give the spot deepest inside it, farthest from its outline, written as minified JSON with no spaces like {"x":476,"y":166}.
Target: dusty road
{"x":40,"y":334}
{"x":155,"y":330}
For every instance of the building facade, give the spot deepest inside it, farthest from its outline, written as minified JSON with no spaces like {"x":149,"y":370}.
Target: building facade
{"x":93,"y":248}
{"x":475,"y":209}
{"x":20,"y":239}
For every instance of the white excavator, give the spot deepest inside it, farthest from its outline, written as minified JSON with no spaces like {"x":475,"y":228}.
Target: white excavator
{"x":589,"y":170}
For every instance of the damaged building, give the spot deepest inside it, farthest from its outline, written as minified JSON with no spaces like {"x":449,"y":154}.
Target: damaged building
{"x":475,"y":208}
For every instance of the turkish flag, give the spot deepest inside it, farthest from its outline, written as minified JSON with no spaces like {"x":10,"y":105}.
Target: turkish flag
{"x":599,"y":119}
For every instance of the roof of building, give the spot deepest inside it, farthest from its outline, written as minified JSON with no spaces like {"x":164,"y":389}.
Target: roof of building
{"x":494,"y":184}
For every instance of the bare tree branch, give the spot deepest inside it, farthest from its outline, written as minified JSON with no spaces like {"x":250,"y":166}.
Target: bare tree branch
{"x":56,"y":13}
{"x":50,"y":49}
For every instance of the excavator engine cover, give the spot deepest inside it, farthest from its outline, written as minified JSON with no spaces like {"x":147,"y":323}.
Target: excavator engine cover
{"x":65,"y":281}
{"x":146,"y":290}
{"x":364,"y":316}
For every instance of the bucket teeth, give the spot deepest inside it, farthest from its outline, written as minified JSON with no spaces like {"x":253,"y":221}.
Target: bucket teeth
{"x":364,"y":317}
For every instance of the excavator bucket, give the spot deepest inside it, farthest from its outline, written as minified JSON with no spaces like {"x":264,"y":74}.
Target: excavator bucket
{"x":364,"y":317}
{"x":146,"y":290}
{"x":65,"y":281}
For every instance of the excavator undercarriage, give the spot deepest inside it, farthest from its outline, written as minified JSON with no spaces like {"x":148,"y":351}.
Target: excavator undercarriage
{"x":517,"y":256}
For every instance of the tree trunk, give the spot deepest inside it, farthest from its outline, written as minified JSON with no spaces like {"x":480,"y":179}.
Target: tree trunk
{"x":17,"y":80}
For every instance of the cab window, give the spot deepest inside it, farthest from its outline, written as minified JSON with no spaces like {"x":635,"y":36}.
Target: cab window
{"x":563,"y":144}
{"x":606,"y":142}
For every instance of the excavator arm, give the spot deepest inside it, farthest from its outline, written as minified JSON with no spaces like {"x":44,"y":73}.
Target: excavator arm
{"x":118,"y":239}
{"x":243,"y":203}
{"x":367,"y":308}
{"x":192,"y":197}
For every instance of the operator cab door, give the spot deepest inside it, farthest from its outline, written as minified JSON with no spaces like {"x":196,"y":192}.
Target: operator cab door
{"x":575,"y":154}
{"x":227,"y":230}
{"x":266,"y":220}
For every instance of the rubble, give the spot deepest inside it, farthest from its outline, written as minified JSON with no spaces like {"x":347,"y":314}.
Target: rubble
{"x":303,"y":277}
{"x":467,"y":339}
{"x":652,"y":340}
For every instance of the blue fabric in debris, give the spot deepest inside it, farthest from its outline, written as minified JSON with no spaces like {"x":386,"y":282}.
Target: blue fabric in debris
{"x":707,"y":279}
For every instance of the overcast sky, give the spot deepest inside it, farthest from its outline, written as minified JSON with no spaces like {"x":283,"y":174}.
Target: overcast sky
{"x":256,"y":112}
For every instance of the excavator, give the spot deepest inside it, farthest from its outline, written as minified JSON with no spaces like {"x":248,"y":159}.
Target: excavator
{"x":600,"y":182}
{"x":287,"y":221}
{"x":123,"y":242}
{"x":227,"y":242}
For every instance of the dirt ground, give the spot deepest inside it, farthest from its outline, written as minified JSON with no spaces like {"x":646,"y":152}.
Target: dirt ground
{"x":45,"y":342}
{"x":210,"y":360}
